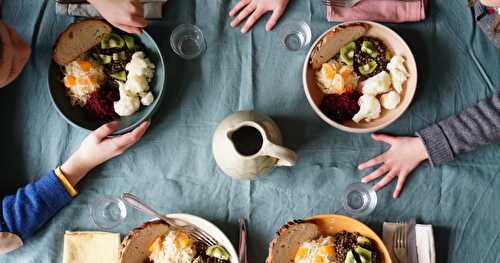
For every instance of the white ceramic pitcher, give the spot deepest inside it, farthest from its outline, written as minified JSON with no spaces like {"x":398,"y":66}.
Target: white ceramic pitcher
{"x":247,"y":144}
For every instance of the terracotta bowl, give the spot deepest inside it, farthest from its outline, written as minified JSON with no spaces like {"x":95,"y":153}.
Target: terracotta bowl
{"x":332,"y":224}
{"x":395,"y":44}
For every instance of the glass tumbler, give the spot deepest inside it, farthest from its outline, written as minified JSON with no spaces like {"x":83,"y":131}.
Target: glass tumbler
{"x":295,"y":35}
{"x":359,"y":199}
{"x":188,"y":41}
{"x":107,"y":212}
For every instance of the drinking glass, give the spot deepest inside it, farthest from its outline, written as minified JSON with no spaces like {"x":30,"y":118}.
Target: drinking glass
{"x":359,"y":199}
{"x":188,"y":41}
{"x":295,"y":35}
{"x":107,"y":212}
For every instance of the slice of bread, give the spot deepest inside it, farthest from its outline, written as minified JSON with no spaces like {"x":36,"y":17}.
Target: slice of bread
{"x":288,"y":239}
{"x":135,"y":247}
{"x":78,"y":38}
{"x":334,"y":40}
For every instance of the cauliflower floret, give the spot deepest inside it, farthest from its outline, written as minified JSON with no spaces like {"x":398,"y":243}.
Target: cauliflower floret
{"x":147,"y":98}
{"x":399,"y":74}
{"x":128,"y":103}
{"x":390,"y":100}
{"x":140,"y":65}
{"x":137,"y":84}
{"x":377,"y":84}
{"x":369,"y":109}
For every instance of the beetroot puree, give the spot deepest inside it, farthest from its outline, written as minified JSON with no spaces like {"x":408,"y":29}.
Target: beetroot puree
{"x":100,"y":104}
{"x":341,"y":107}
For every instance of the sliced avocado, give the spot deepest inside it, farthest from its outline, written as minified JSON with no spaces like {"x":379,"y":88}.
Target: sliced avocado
{"x":123,"y":55}
{"x":218,"y":252}
{"x":122,"y":75}
{"x":364,"y":254}
{"x":347,"y":53}
{"x":112,"y":40}
{"x":115,"y":56}
{"x":388,"y":54}
{"x":363,"y":240}
{"x":369,"y":48}
{"x":368,"y":67}
{"x":106,"y":59}
{"x":129,"y":41}
{"x":349,"y":257}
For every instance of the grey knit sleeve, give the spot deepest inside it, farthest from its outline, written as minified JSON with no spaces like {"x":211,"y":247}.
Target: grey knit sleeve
{"x":476,"y":126}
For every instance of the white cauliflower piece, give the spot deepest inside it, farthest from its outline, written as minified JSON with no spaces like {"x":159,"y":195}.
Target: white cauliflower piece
{"x":399,"y":74}
{"x":147,"y":98}
{"x":369,"y":108}
{"x":390,"y":100}
{"x":380,"y":83}
{"x":140,"y":65}
{"x":128,"y":103}
{"x":137,"y":84}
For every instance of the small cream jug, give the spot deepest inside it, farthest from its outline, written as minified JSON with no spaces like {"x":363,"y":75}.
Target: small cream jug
{"x":246,"y":144}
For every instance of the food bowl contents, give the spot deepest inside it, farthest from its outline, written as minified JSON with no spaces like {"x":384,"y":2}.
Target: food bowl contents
{"x":358,"y":75}
{"x":108,"y":73}
{"x":178,"y":247}
{"x":319,"y":250}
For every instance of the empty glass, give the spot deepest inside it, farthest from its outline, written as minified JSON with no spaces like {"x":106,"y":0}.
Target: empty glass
{"x":295,"y":35}
{"x":107,"y":212}
{"x":187,"y":41}
{"x":359,"y":199}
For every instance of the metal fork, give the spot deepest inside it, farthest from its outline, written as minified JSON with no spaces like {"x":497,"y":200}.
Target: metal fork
{"x":399,"y":243}
{"x":178,"y":224}
{"x":340,"y":3}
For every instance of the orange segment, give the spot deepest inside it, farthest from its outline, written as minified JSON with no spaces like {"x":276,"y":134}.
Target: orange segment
{"x":338,"y":84}
{"x":326,"y":250}
{"x":328,"y":70}
{"x":84,"y":65}
{"x":301,"y":253}
{"x":69,"y":81}
{"x":345,"y":71}
{"x":317,"y":259}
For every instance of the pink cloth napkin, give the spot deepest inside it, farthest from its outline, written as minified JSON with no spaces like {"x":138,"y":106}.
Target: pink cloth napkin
{"x":14,"y":54}
{"x":392,"y":11}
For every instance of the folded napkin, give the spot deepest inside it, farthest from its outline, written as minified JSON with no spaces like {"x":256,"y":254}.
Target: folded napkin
{"x":95,"y":247}
{"x":393,"y":11}
{"x":14,"y":53}
{"x":152,"y":9}
{"x":424,"y":240}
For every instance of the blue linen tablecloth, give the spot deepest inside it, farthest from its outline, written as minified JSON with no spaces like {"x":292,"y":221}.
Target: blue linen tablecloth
{"x":172,"y":168}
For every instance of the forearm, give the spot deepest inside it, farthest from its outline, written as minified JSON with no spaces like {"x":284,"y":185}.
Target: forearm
{"x":476,"y":126}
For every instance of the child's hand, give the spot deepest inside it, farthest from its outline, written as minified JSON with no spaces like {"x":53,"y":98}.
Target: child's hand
{"x":405,"y":154}
{"x":255,"y":9}
{"x":127,"y":15}
{"x":97,"y":148}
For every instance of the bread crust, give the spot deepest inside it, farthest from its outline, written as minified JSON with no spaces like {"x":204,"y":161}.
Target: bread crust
{"x":135,"y":233}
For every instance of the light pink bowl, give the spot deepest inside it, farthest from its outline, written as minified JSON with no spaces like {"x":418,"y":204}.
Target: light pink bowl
{"x":398,"y":47}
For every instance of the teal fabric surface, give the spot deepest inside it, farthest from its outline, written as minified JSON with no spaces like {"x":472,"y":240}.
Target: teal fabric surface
{"x":172,"y":167}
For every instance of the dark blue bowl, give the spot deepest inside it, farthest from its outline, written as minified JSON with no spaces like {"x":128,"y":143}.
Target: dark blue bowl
{"x":77,"y":117}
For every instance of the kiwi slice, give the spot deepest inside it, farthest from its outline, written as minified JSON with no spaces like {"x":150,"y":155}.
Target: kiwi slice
{"x":347,"y":53}
{"x":369,"y":48}
{"x":349,"y":257}
{"x":364,"y":254}
{"x":368,"y":68}
{"x":217,"y":252}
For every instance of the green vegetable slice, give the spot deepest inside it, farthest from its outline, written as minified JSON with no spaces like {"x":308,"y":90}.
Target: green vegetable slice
{"x":106,"y":59}
{"x":122,"y":75}
{"x":129,"y":41}
{"x":218,"y":252}
{"x":123,"y":55}
{"x":115,"y":56}
{"x":363,"y":240}
{"x":112,"y":40}
{"x":347,"y":53}
{"x":369,"y":48}
{"x":368,"y":68}
{"x":349,"y":257}
{"x":388,"y":54}
{"x":364,"y":254}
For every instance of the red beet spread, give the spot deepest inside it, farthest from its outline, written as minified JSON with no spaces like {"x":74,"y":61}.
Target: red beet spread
{"x":341,"y":107}
{"x":100,"y":104}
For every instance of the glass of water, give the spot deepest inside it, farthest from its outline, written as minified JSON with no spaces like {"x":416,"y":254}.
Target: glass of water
{"x":188,"y":41}
{"x":359,"y":199}
{"x":107,"y":212}
{"x":295,"y":35}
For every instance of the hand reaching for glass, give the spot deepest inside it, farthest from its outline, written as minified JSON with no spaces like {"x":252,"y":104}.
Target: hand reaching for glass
{"x":254,"y":9}
{"x":127,"y":15}
{"x":405,"y":154}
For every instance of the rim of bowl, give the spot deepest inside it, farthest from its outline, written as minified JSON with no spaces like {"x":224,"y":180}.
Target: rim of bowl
{"x":339,"y":125}
{"x":135,"y":124}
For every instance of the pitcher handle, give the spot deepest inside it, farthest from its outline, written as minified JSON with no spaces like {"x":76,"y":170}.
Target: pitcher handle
{"x":285,"y":156}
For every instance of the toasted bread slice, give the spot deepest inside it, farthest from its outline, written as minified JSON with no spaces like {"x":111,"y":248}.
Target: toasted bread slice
{"x":78,"y":38}
{"x":288,"y":239}
{"x":135,"y":247}
{"x":334,"y":40}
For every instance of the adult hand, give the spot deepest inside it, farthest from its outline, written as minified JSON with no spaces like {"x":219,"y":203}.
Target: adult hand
{"x":255,"y":9}
{"x":97,"y":148}
{"x":127,"y":15}
{"x":405,"y":154}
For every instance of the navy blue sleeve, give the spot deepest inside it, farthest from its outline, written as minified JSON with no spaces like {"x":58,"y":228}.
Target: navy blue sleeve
{"x":32,"y":206}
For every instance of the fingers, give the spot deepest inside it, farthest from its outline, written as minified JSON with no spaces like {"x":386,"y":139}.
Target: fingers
{"x":277,"y":13}
{"x":383,"y":138}
{"x":377,"y":160}
{"x":238,"y":7}
{"x":243,"y":14}
{"x":387,"y":179}
{"x":125,"y":141}
{"x":129,"y":29}
{"x":252,"y":19}
{"x":401,"y":182}
{"x":377,"y":173}
{"x":105,"y":130}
